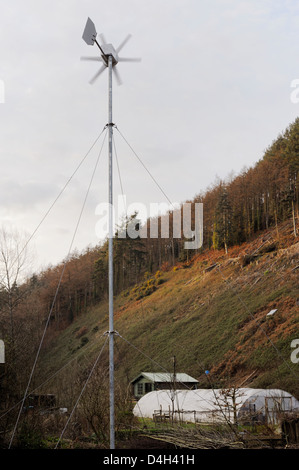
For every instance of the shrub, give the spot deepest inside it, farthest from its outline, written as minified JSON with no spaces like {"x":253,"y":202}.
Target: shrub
{"x":82,"y":331}
{"x":30,"y":436}
{"x":165,"y":266}
{"x":84,"y":340}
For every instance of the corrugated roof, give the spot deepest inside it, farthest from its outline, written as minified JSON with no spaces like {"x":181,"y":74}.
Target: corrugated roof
{"x":166,"y":377}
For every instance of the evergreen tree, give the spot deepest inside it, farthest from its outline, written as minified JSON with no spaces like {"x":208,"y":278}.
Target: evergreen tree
{"x":223,"y":221}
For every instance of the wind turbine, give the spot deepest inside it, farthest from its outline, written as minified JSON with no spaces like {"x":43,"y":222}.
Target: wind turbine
{"x":107,"y":50}
{"x":109,"y":58}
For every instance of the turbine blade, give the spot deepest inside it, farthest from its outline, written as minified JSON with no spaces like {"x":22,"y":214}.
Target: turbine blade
{"x":123,"y":43}
{"x":117,"y":76}
{"x":103,"y":39}
{"x":91,"y":58}
{"x":101,"y":70}
{"x":129,"y":59}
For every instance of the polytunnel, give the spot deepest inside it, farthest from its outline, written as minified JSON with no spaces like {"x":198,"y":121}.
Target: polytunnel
{"x":216,"y":406}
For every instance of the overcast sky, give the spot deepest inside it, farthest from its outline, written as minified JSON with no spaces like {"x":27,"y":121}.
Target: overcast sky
{"x":211,"y":93}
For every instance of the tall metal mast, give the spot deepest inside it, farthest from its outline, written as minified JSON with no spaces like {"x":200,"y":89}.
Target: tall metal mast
{"x":109,"y":57}
{"x":111,"y":309}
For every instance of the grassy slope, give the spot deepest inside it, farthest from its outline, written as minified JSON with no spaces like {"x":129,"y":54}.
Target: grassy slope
{"x":209,"y":319}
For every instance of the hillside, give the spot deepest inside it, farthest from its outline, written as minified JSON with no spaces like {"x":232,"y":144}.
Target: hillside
{"x":209,"y":312}
{"x":207,"y":307}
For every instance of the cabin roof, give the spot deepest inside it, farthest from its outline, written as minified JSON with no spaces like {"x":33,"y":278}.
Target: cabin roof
{"x":163,"y":377}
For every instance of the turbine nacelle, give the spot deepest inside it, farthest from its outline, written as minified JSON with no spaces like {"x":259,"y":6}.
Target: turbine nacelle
{"x":108,"y":50}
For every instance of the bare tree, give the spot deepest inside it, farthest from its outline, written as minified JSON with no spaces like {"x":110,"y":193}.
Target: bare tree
{"x":95,"y":406}
{"x":229,"y":400}
{"x":14,"y":266}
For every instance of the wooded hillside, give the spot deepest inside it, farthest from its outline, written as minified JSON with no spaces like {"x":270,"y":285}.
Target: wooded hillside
{"x":234,"y":211}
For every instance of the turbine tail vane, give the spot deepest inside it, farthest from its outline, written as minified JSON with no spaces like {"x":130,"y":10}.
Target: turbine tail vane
{"x":89,"y":33}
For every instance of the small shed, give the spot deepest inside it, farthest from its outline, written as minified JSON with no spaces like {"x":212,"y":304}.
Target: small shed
{"x":149,"y":381}
{"x":216,"y":406}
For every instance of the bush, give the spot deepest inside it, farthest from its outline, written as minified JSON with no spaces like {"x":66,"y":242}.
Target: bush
{"x":165,"y":266}
{"x":30,"y":437}
{"x":148,"y":286}
{"x":84,"y":340}
{"x":82,"y":331}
